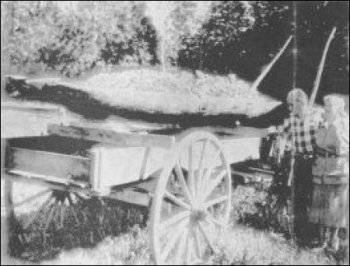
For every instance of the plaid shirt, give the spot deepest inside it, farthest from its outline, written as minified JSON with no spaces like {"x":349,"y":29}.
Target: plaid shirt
{"x":302,"y":132}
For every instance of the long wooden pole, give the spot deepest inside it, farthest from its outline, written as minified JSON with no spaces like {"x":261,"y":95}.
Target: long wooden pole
{"x":320,"y":69}
{"x":291,"y":179}
{"x":347,"y":233}
{"x":270,"y":65}
{"x":347,"y":217}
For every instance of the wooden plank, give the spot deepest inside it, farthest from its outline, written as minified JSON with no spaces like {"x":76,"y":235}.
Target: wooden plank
{"x":47,"y":178}
{"x":112,"y":137}
{"x":95,"y":170}
{"x":147,"y":186}
{"x":260,"y":170}
{"x":241,"y":149}
{"x":144,"y":163}
{"x":49,"y":163}
{"x":131,"y":197}
{"x":21,"y":121}
{"x":118,"y":166}
{"x":34,"y":180}
{"x":28,"y":107}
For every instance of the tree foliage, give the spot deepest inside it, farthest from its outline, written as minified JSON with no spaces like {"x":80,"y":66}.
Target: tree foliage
{"x":76,"y":40}
{"x":238,"y":37}
{"x":227,"y":37}
{"x":242,"y":37}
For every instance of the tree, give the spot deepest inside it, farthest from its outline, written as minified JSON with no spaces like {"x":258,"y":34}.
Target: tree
{"x":74,"y":41}
{"x":227,"y":22}
{"x":178,"y":21}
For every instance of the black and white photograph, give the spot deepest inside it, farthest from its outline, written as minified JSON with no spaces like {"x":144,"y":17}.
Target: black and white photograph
{"x":174,"y":133}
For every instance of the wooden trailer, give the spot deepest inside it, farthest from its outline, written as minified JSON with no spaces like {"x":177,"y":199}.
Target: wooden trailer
{"x":184,"y":180}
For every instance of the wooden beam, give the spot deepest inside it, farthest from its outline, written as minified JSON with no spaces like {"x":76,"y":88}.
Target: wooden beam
{"x":62,"y":185}
{"x":320,"y":68}
{"x":29,"y":107}
{"x":267,"y":69}
{"x":112,"y":137}
{"x":146,"y":186}
{"x":131,"y":197}
{"x":144,"y":163}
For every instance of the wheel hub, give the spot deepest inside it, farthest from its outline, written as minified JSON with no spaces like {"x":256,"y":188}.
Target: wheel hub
{"x":197,"y":216}
{"x":60,"y":196}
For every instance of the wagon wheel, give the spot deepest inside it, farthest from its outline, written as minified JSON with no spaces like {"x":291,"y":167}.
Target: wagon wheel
{"x":192,"y":201}
{"x":36,"y":214}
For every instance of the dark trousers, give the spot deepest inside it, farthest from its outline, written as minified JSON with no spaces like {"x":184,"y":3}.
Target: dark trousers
{"x":302,"y":198}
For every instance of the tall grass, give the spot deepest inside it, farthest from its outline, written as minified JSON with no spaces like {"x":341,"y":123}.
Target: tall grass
{"x":126,"y":240}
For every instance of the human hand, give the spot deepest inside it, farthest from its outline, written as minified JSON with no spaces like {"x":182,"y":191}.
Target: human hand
{"x":271,"y":130}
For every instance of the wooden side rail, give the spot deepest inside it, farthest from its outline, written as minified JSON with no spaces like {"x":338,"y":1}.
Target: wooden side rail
{"x":27,"y":107}
{"x":112,"y":137}
{"x":48,"y":181}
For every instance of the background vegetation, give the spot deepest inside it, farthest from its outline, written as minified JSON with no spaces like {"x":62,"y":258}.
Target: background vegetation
{"x":122,"y":238}
{"x":220,"y":37}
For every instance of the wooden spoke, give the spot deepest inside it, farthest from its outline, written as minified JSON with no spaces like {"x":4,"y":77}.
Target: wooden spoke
{"x":57,"y":213}
{"x":49,"y":218}
{"x":190,"y":177}
{"x":31,"y":198}
{"x":206,"y":237}
{"x":181,"y":248}
{"x":215,"y":221}
{"x":183,"y":183}
{"x":175,"y":219}
{"x":176,"y":200}
{"x":36,"y":214}
{"x":200,"y":166}
{"x":210,"y":169}
{"x":63,"y":214}
{"x":75,"y":216}
{"x":171,"y":244}
{"x":215,"y":201}
{"x":189,"y":245}
{"x":72,"y":208}
{"x":189,"y":251}
{"x":191,"y":257}
{"x":197,"y":241}
{"x":213,"y":184}
{"x":80,"y":197}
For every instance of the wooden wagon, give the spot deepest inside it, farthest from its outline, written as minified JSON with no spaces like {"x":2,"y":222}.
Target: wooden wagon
{"x":184,"y":180}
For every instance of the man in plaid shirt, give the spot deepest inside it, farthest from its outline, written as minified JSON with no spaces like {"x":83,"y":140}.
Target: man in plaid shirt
{"x":301,"y":128}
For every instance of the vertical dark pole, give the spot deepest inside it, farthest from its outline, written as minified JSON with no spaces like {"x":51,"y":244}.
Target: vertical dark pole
{"x":347,"y":228}
{"x":292,"y":163}
{"x":295,"y":44}
{"x":347,"y":233}
{"x":4,"y":224}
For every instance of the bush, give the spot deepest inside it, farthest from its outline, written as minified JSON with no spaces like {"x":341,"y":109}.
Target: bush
{"x":77,"y":40}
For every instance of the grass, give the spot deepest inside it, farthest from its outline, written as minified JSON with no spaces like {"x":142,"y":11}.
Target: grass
{"x":240,"y":244}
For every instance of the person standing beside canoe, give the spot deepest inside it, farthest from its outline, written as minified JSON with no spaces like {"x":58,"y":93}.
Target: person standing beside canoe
{"x":301,"y":128}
